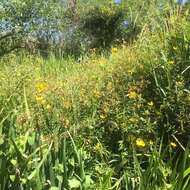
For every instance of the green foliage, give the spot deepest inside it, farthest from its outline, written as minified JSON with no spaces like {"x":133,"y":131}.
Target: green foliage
{"x":103,"y":25}
{"x":109,"y":24}
{"x":19,"y":14}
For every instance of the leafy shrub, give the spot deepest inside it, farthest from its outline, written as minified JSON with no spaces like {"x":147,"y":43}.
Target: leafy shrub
{"x":105,"y":25}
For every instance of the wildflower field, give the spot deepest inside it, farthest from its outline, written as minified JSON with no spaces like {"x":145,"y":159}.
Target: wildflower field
{"x":113,"y":118}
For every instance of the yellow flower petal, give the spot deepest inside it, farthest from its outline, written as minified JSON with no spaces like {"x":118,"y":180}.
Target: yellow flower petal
{"x":140,"y":142}
{"x":151,"y":103}
{"x":114,"y":50}
{"x":173,"y":144}
{"x":132,"y":95}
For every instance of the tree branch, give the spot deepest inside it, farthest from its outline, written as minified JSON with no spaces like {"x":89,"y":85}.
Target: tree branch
{"x":2,"y":53}
{"x":9,"y":34}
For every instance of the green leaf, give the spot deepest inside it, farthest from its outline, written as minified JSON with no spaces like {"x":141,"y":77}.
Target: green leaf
{"x":186,"y":172}
{"x":13,"y":162}
{"x":31,"y":139}
{"x":19,"y":153}
{"x":12,"y":178}
{"x":40,"y":164}
{"x":60,"y":178}
{"x":88,"y":181}
{"x":23,"y":180}
{"x":74,"y":183}
{"x":72,"y":162}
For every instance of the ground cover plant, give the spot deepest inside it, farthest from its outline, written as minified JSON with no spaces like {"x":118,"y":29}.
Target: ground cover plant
{"x":114,"y":118}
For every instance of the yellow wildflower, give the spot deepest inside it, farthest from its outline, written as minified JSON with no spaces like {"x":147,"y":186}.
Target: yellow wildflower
{"x":114,"y":50}
{"x":171,"y":62}
{"x":173,"y":144}
{"x":97,"y":93}
{"x":41,"y":87}
{"x":179,"y":83}
{"x":151,"y":103}
{"x":98,"y":147}
{"x":40,"y":100}
{"x":132,"y":95}
{"x":102,"y":116}
{"x":140,"y":142}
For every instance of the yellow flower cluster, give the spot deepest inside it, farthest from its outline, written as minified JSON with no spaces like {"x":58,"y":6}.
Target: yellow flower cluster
{"x":140,"y":143}
{"x":40,"y":100}
{"x":132,"y":95}
{"x":41,"y":87}
{"x":97,"y":93}
{"x":114,"y":50}
{"x":179,"y":83}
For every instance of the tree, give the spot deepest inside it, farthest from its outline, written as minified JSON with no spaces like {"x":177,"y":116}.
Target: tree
{"x":20,"y":19}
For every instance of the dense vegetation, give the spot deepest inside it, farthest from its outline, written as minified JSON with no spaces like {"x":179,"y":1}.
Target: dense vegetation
{"x":107,"y":108}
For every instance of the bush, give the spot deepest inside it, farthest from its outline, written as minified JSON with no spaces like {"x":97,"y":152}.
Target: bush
{"x":106,"y":25}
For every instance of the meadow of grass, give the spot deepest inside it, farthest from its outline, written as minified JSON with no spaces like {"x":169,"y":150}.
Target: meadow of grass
{"x":106,"y":121}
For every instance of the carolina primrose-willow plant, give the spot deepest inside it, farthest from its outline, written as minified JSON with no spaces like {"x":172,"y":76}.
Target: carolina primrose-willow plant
{"x":105,"y":121}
